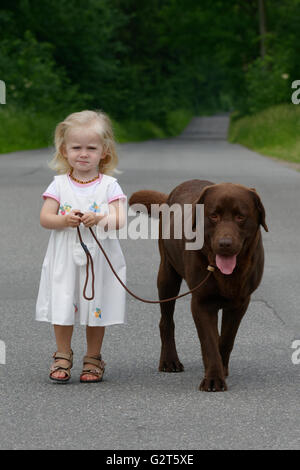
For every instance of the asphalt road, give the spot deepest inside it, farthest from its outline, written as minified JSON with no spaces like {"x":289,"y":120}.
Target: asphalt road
{"x":137,"y":407}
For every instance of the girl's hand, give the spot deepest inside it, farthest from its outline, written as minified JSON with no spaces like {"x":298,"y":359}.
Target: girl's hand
{"x":72,"y":220}
{"x":89,"y":219}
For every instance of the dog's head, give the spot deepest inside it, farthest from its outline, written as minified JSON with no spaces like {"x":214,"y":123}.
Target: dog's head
{"x":232,"y":216}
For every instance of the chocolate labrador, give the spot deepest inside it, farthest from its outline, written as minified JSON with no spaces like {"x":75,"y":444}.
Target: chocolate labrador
{"x":233,"y":215}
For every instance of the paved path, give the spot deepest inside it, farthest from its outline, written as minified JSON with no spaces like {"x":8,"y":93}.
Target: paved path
{"x":136,"y":407}
{"x":208,"y":128}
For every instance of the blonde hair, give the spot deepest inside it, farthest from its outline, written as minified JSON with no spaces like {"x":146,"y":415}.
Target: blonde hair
{"x":103,"y":127}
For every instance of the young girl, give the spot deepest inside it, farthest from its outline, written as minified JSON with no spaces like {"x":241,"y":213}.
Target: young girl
{"x":85,"y":156}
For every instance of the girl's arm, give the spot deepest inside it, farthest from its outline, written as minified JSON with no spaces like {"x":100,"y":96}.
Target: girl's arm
{"x":49,"y":217}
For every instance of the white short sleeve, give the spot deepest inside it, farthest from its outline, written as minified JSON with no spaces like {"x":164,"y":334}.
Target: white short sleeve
{"x":114,"y":192}
{"x":51,"y":192}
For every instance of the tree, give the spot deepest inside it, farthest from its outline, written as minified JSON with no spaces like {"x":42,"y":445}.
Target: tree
{"x":262,"y":27}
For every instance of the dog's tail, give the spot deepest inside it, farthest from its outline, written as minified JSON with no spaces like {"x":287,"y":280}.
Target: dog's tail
{"x":147,"y":198}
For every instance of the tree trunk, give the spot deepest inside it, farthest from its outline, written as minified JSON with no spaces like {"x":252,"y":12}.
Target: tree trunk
{"x":262,"y":27}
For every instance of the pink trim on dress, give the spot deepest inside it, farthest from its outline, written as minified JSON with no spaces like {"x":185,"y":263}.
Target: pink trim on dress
{"x":45,"y":195}
{"x":120,"y":196}
{"x":88,"y":184}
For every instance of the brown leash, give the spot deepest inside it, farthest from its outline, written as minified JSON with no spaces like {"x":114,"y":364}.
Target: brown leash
{"x":90,"y":260}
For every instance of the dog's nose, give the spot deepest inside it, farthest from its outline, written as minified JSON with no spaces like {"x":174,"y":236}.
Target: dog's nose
{"x":225,"y":242}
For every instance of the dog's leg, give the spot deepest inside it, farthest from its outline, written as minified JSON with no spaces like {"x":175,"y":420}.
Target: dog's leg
{"x":231,"y":320}
{"x":168,"y":283}
{"x":205,"y":316}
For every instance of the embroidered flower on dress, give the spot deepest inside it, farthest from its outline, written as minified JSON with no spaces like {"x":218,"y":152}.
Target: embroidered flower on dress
{"x":94,"y":207}
{"x":65,"y":209}
{"x":98,"y":313}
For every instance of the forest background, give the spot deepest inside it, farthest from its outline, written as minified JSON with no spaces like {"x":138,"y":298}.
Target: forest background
{"x":151,"y":65}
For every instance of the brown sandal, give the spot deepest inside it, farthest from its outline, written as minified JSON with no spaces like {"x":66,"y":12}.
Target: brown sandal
{"x":56,"y":367}
{"x":98,"y":370}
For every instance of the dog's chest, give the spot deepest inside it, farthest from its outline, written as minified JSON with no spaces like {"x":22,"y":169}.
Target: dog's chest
{"x":230,"y":287}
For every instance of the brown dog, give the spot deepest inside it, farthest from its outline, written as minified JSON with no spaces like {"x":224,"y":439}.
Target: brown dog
{"x":233,"y":243}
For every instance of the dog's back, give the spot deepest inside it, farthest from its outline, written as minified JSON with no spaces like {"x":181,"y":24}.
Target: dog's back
{"x":184,"y":193}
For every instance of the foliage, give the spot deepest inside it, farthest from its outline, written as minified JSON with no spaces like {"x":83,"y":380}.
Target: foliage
{"x":23,"y":129}
{"x":32,"y":78}
{"x":143,"y":60}
{"x":267,"y":84}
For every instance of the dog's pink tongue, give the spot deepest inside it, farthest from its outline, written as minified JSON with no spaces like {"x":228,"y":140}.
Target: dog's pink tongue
{"x":226,"y":264}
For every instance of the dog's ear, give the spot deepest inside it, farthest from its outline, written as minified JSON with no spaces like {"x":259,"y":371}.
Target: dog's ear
{"x":260,"y":208}
{"x":200,"y":200}
{"x":203,"y":193}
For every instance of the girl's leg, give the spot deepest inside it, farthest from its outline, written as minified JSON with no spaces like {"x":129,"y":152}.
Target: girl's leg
{"x":63,"y":335}
{"x":94,"y":338}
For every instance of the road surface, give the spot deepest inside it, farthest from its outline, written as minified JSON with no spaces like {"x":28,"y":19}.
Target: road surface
{"x":137,"y":407}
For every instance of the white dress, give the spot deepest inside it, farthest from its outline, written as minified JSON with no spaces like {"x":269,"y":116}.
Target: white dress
{"x":60,"y":298}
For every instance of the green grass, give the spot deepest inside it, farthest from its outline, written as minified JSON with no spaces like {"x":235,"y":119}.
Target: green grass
{"x":133,"y":131}
{"x":25,"y":130}
{"x":21,"y":130}
{"x":273,"y":132}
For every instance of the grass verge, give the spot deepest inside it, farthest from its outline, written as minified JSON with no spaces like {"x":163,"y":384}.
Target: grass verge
{"x":274,"y":132}
{"x":25,"y":130}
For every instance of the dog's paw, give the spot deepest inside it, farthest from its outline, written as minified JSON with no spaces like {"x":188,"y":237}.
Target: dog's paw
{"x":170,"y":366}
{"x":213,"y":384}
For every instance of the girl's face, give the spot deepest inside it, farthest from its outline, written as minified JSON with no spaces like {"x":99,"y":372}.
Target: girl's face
{"x":83,"y":149}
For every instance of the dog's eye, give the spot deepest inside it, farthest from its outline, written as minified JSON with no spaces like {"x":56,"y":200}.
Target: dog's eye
{"x":240,"y":218}
{"x":214,"y":217}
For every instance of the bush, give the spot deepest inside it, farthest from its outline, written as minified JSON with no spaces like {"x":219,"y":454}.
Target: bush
{"x":33,"y":81}
{"x":266,"y":84}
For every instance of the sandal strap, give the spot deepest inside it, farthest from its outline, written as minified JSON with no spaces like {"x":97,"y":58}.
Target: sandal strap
{"x":96,"y":361}
{"x":66,"y":370}
{"x":96,"y":372}
{"x":66,"y":357}
{"x":56,"y":367}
